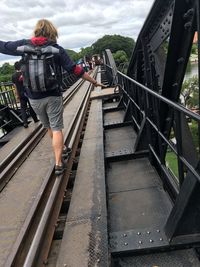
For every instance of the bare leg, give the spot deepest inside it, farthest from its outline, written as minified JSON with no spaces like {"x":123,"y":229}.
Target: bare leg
{"x":57,"y":142}
{"x":51,"y":136}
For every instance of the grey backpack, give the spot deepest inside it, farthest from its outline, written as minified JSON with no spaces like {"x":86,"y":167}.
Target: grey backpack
{"x":40,"y":73}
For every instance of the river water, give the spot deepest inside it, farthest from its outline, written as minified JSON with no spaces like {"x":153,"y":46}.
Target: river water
{"x":191,"y":71}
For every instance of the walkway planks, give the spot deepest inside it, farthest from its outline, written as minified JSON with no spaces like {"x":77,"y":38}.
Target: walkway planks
{"x":85,"y":237}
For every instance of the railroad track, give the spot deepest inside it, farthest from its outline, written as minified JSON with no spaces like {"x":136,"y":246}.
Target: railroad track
{"x":13,"y":161}
{"x":34,"y":241}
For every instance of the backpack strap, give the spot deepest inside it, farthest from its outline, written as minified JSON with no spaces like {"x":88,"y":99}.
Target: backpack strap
{"x":29,"y":49}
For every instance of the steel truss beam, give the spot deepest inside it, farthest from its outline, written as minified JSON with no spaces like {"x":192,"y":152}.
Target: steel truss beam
{"x":159,"y":63}
{"x":109,"y":60}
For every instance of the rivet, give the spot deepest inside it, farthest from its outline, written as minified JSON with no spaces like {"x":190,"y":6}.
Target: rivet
{"x":65,"y":264}
{"x":148,"y":232}
{"x":139,"y":233}
{"x":140,"y":242}
{"x":124,"y":235}
{"x":126,"y":244}
{"x":98,"y":260}
{"x":161,"y":239}
{"x":180,"y":60}
{"x":151,"y":241}
{"x":175,"y":84}
{"x":158,"y":231}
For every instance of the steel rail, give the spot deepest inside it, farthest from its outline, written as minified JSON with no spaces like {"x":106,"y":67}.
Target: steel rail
{"x":12,"y":162}
{"x":10,"y":169}
{"x":35,"y":245}
{"x":30,"y":218}
{"x":16,"y":150}
{"x":46,"y":244}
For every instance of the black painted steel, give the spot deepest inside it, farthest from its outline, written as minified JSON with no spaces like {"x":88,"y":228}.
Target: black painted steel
{"x":112,"y":74}
{"x":150,"y":97}
{"x":9,"y":110}
{"x":160,"y":59}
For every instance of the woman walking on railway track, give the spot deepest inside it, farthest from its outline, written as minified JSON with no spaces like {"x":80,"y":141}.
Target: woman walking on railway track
{"x":42,"y":59}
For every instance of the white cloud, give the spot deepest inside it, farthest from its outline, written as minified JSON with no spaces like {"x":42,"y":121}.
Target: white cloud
{"x":80,"y":23}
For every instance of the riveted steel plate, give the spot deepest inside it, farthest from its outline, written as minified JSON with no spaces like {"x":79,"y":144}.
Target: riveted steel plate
{"x":138,"y":239}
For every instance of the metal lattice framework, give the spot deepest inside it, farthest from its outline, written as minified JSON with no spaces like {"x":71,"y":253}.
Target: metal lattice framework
{"x":150,"y":96}
{"x":170,"y":26}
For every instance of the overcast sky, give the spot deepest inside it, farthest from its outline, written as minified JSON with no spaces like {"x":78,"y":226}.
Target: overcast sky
{"x":79,"y":22}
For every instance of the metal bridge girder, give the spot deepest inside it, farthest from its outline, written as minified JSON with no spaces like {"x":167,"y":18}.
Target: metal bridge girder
{"x":159,"y":63}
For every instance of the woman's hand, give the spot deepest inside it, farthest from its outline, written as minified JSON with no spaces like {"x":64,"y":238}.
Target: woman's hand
{"x":87,"y":77}
{"x":100,"y":84}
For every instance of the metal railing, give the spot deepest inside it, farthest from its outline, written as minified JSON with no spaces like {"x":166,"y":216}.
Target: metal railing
{"x":9,"y":109}
{"x":7,"y":95}
{"x":68,"y":80}
{"x":144,"y":107}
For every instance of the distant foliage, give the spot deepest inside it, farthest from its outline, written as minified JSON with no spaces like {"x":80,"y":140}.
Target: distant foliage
{"x":86,"y":52}
{"x":72,"y":54}
{"x":114,"y":43}
{"x":120,"y":46}
{"x":120,"y":57}
{"x":6,"y":72}
{"x":190,"y":92}
{"x":194,"y":49}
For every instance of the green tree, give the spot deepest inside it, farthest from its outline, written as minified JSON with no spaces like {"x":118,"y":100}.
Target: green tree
{"x":6,"y":69}
{"x":194,"y":49}
{"x":190,"y":92}
{"x":114,"y":43}
{"x":72,"y":54}
{"x":6,"y":72}
{"x":86,"y":52}
{"x":120,"y":57}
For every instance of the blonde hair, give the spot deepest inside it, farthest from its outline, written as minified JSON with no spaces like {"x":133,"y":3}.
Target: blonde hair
{"x":46,"y":29}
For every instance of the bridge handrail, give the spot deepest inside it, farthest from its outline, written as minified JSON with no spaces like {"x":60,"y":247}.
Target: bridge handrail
{"x":177,"y":106}
{"x":177,"y":109}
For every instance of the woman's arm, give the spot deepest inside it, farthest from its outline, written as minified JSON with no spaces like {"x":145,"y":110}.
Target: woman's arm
{"x":88,"y":78}
{"x":10,"y":48}
{"x":70,"y":66}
